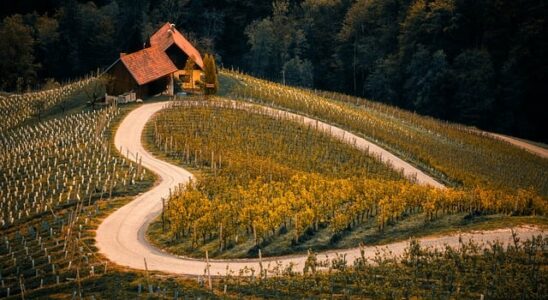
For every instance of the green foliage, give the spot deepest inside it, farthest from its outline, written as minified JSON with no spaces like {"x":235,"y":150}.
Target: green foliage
{"x":431,"y":24}
{"x":368,"y":36}
{"x":261,"y":36}
{"x":387,"y":50}
{"x":47,"y":44}
{"x":430,"y":81}
{"x":384,"y":81}
{"x":298,"y":72}
{"x":420,"y":55}
{"x":474,"y":85}
{"x":275,"y":41}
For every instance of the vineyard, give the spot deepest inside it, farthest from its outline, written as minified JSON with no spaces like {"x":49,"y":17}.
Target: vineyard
{"x":54,"y":174}
{"x":473,"y":271}
{"x":267,"y":182}
{"x":456,"y":155}
{"x":17,"y":108}
{"x":264,"y":182}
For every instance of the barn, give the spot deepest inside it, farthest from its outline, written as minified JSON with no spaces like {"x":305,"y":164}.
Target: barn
{"x":168,"y":60}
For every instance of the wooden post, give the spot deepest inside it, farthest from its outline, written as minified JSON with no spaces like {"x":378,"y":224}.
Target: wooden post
{"x":260,"y":265}
{"x":146,"y":271}
{"x":22,"y":287}
{"x":208,"y":272}
{"x":221,"y":236}
{"x":78,"y":281}
{"x":163,"y":217}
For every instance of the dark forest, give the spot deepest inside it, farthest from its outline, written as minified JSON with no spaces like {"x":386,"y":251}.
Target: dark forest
{"x":479,"y":62}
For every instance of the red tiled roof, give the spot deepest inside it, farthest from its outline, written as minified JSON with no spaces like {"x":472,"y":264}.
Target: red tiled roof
{"x":148,"y":64}
{"x":164,"y":39}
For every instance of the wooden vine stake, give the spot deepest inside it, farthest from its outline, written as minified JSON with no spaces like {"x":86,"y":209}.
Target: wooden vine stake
{"x":208,"y":272}
{"x":261,"y":271}
{"x":163,"y":213}
{"x":221,"y":236}
{"x":146,"y":271}
{"x":22,"y":287}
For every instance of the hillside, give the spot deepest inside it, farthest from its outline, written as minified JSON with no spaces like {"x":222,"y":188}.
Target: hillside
{"x":481,"y":63}
{"x":62,"y":176}
{"x":59,"y":175}
{"x":273,"y":149}
{"x":457,"y":155}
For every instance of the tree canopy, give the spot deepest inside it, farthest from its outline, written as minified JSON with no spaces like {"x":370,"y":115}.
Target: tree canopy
{"x":482,"y":63}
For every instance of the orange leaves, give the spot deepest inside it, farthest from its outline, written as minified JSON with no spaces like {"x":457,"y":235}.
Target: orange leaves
{"x":306,"y":200}
{"x":277,"y":176}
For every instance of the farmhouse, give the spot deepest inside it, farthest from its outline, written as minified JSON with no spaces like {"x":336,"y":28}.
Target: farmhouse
{"x":170,"y":59}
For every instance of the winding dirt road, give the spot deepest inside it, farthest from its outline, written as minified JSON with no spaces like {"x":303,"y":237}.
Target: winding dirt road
{"x":542,"y":152}
{"x":121,"y":236}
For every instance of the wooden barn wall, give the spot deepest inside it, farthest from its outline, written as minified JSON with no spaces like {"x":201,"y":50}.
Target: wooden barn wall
{"x":122,"y":80}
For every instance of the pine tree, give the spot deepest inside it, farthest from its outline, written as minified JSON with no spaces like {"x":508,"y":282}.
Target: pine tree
{"x":214,"y":69}
{"x":211,"y":81}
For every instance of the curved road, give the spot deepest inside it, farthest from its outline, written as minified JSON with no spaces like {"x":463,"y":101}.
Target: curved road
{"x":121,"y":236}
{"x":542,"y":152}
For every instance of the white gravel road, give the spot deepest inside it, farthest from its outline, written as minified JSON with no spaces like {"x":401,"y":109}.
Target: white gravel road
{"x":121,"y":236}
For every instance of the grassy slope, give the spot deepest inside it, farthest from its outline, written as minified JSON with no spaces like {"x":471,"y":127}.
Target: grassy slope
{"x":367,"y":234}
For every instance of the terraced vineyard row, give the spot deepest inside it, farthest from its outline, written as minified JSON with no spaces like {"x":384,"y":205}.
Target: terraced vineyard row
{"x":17,"y":108}
{"x":455,"y":154}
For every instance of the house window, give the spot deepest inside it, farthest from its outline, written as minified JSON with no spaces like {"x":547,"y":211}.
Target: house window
{"x":184,"y":78}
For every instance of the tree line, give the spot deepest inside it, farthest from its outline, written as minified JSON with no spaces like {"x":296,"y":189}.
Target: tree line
{"x":482,"y":63}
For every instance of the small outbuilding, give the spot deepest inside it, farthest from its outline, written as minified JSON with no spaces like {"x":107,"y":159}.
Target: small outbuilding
{"x":156,"y":69}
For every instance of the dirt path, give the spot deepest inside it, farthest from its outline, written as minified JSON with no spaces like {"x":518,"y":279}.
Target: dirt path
{"x":121,"y":236}
{"x":542,"y":152}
